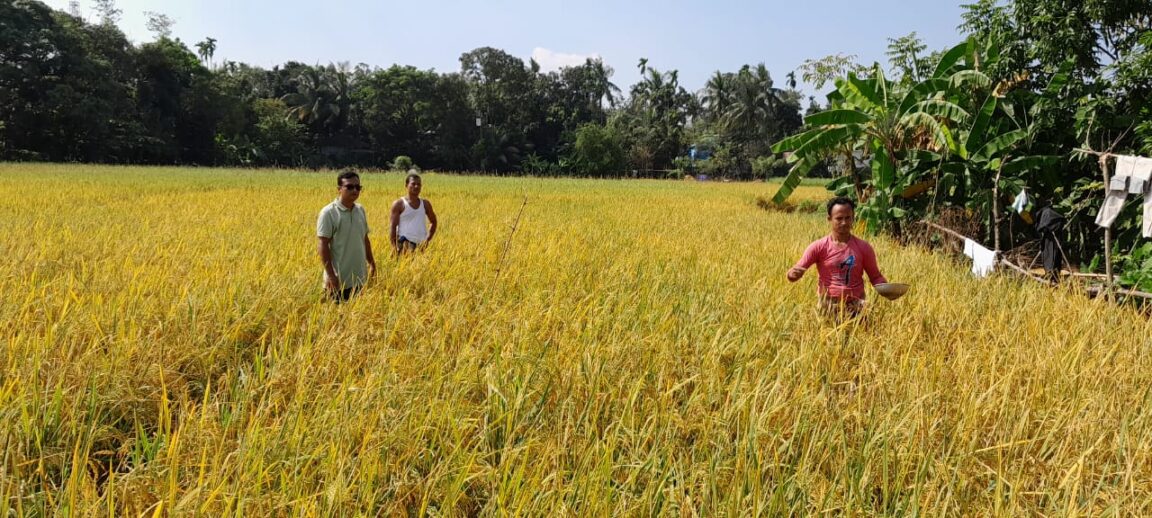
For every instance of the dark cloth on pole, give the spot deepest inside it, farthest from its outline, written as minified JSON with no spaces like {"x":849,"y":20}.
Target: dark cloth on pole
{"x":1050,"y":224}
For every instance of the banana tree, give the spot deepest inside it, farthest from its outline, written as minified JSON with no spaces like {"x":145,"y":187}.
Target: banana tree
{"x":992,"y":156}
{"x":873,"y":115}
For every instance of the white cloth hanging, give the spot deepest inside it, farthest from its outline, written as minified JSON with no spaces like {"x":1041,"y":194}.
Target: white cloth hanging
{"x":1125,"y":166}
{"x":1117,"y":191}
{"x":983,"y":259}
{"x":1113,"y":202}
{"x":1136,"y":185}
{"x":1141,"y":168}
{"x":1021,"y":201}
{"x":1147,"y":230}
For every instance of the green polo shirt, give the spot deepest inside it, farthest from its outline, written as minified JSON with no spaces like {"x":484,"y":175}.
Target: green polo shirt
{"x":347,"y":228}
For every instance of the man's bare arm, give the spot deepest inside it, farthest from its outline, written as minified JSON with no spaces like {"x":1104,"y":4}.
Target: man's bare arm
{"x":431,"y":219}
{"x":324,"y":248}
{"x":394,"y":222}
{"x":371,"y":259}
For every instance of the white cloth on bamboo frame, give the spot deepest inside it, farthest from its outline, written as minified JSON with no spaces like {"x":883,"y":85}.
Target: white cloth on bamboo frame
{"x":983,"y":259}
{"x":1117,"y":191}
{"x":1147,"y":230}
{"x":1113,"y":201}
{"x":1142,"y":172}
{"x":1133,"y":176}
{"x":1137,"y":170}
{"x":1141,"y":168}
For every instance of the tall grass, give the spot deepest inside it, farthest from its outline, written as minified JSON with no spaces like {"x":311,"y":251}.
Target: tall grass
{"x":164,"y":352}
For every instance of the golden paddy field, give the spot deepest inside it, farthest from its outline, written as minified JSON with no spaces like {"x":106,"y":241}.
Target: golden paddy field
{"x":636,"y":352}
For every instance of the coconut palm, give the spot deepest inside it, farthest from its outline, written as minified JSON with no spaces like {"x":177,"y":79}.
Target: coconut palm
{"x":754,"y":102}
{"x":717,"y":95}
{"x":206,"y":49}
{"x":599,"y":83}
{"x":322,"y":96}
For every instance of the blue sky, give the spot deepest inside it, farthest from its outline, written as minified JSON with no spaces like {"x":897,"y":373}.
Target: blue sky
{"x":697,"y":38}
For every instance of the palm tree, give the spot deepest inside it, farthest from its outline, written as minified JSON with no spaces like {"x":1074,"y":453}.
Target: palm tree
{"x":661,"y":107}
{"x":341,"y":82}
{"x":600,"y":85}
{"x":497,"y":150}
{"x":717,"y":96}
{"x":315,"y":101}
{"x":206,"y":49}
{"x":755,"y":101}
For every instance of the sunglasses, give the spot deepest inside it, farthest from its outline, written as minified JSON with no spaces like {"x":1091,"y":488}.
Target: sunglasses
{"x":354,"y":187}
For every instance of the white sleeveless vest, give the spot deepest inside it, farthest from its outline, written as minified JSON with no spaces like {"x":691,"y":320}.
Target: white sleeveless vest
{"x":413,"y":222}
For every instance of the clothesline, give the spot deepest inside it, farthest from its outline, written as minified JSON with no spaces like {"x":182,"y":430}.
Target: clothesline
{"x":1000,"y":260}
{"x":1133,"y":176}
{"x":1092,"y":290}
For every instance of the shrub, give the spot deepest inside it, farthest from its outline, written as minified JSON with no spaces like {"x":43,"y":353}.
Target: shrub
{"x":402,"y":163}
{"x":597,"y":151}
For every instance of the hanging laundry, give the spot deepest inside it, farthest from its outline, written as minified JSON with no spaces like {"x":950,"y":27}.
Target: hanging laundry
{"x":1125,"y":166}
{"x":1147,"y":230}
{"x":1113,"y":201}
{"x":983,"y":259}
{"x":1133,"y":176}
{"x":1141,"y":168}
{"x":1136,"y":186}
{"x":1050,"y":223}
{"x":1021,"y":201}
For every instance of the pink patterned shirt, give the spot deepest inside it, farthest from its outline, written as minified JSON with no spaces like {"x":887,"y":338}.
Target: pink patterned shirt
{"x":842,"y":267}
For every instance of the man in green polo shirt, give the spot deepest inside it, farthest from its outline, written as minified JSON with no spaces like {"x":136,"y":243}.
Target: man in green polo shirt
{"x":342,"y":228}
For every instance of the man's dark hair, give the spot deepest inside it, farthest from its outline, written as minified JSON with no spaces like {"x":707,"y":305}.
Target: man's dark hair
{"x":411,"y":177}
{"x":840,"y":200}
{"x":347,"y":174}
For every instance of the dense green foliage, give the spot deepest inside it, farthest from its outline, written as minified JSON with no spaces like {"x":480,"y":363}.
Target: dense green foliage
{"x":970,"y":127}
{"x":71,"y":90}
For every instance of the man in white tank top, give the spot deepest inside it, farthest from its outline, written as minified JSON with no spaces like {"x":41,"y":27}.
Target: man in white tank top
{"x":411,"y":216}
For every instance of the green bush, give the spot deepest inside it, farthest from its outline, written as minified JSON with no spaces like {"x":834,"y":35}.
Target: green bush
{"x":597,"y":151}
{"x":402,"y":163}
{"x":721,"y":164}
{"x":768,"y":166}
{"x":536,"y":165}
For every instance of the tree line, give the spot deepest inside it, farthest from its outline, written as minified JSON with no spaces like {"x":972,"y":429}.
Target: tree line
{"x":72,"y":90}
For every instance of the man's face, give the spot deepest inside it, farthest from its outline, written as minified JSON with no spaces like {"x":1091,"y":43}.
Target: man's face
{"x":842,"y":219}
{"x":350,"y":190}
{"x":414,"y":187}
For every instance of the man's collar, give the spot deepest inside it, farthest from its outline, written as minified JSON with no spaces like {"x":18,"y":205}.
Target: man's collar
{"x":340,"y":205}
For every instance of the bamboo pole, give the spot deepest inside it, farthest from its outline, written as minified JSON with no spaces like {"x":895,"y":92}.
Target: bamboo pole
{"x":1102,"y":158}
{"x":996,"y":210}
{"x":1026,"y":273}
{"x":1107,"y":231}
{"x":946,"y":230}
{"x":1092,"y":290}
{"x":1096,"y":290}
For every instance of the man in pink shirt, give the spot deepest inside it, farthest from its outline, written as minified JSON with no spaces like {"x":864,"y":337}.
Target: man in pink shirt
{"x":841,"y":259}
